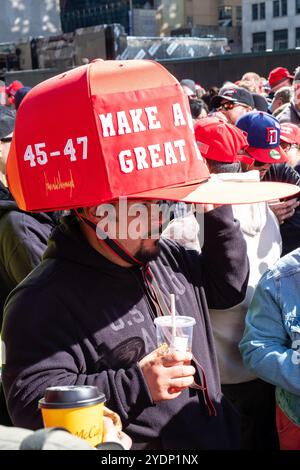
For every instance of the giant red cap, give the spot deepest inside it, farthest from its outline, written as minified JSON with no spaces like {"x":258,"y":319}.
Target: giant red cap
{"x":111,"y":129}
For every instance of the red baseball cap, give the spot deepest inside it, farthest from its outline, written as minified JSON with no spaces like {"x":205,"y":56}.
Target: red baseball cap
{"x":12,"y":89}
{"x":122,"y":128}
{"x":220,"y":141}
{"x":290,"y":133}
{"x":277,"y":75}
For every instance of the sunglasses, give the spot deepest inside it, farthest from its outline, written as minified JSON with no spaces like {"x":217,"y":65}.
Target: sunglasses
{"x":6,"y":139}
{"x":229,"y":106}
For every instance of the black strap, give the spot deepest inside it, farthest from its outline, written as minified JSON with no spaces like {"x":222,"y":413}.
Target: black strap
{"x":37,"y":440}
{"x":112,"y":244}
{"x":156,"y":295}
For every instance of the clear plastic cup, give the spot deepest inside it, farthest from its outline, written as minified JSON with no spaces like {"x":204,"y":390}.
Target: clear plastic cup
{"x":178,"y":338}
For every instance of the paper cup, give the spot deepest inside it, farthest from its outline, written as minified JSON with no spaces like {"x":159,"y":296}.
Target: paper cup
{"x":79,"y":409}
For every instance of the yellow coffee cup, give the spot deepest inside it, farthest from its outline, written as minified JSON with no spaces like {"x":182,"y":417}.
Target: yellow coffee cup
{"x":78,"y":408}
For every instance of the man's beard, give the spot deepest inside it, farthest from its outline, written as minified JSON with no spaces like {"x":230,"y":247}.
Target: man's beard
{"x":148,"y":254}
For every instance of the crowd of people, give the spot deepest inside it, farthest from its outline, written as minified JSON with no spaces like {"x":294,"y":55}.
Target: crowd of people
{"x":78,"y":298}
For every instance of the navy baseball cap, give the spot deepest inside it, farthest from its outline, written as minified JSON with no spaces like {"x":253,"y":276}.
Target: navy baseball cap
{"x":233,"y":95}
{"x":263,"y":134}
{"x":20,"y":95}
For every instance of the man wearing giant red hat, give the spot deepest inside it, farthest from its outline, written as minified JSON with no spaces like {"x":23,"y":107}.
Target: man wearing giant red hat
{"x":121,"y":141}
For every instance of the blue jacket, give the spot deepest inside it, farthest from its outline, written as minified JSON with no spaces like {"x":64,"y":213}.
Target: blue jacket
{"x":270,"y":346}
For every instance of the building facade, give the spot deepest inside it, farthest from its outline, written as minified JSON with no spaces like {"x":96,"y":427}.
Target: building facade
{"x":209,"y":13}
{"x":21,"y":19}
{"x":219,"y":18}
{"x":270,"y":25}
{"x":224,"y":13}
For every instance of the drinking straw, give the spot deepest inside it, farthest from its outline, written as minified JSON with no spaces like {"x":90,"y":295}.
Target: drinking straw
{"x":173,"y":313}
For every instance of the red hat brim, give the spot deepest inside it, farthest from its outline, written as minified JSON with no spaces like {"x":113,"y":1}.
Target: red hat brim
{"x":275,"y":155}
{"x":292,"y":138}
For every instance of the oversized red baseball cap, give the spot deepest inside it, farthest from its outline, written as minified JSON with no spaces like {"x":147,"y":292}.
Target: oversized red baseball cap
{"x":278,"y":75}
{"x":290,"y":133}
{"x":219,"y":140}
{"x":111,"y":129}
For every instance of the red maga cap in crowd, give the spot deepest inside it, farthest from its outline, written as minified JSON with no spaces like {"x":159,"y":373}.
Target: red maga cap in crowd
{"x":111,"y":129}
{"x":290,"y":133}
{"x":219,"y":140}
{"x":278,"y":75}
{"x":12,"y":89}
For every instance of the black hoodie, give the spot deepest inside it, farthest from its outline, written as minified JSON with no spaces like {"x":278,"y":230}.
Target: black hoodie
{"x":290,"y":229}
{"x":81,"y":319}
{"x":23,"y":241}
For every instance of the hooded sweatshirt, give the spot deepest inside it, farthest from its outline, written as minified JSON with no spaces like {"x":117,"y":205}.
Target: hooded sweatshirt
{"x":85,"y":320}
{"x":261,"y":233}
{"x":23,"y":241}
{"x":290,"y":229}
